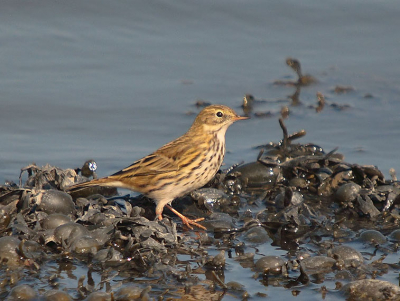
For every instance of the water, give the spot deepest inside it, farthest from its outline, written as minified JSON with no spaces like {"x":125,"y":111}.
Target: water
{"x":113,"y":80}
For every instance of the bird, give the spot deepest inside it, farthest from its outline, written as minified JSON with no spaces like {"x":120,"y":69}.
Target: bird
{"x":180,"y":166}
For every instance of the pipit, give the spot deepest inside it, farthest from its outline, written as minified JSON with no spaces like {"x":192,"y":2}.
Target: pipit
{"x":179,"y":167}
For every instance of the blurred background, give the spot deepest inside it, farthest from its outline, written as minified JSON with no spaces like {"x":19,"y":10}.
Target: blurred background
{"x":114,"y":80}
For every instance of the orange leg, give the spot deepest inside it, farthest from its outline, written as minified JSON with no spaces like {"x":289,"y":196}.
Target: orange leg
{"x":187,"y":221}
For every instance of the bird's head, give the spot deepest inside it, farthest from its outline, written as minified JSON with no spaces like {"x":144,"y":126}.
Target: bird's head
{"x":215,"y":117}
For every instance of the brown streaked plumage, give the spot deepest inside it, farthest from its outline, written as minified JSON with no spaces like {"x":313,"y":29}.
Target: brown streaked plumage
{"x":179,"y":167}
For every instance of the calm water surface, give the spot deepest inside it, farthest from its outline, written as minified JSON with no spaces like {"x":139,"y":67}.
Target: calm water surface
{"x":114,"y":80}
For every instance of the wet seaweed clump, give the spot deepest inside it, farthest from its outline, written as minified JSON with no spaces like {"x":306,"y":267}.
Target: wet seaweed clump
{"x":332,"y":217}
{"x":302,"y":79}
{"x":294,"y":216}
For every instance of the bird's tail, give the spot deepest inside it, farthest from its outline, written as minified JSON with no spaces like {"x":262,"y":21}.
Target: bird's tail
{"x":104,"y":186}
{"x":95,"y":182}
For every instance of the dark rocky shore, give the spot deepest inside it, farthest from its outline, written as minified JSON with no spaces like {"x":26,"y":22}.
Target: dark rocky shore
{"x":337,"y":222}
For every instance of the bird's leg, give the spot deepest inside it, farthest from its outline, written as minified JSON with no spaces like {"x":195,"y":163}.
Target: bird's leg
{"x":187,"y":221}
{"x":160,"y":209}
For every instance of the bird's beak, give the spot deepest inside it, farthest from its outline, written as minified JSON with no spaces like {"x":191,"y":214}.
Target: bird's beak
{"x":240,"y":118}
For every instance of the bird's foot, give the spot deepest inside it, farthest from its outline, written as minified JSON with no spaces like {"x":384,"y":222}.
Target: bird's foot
{"x":193,"y":222}
{"x":186,"y":221}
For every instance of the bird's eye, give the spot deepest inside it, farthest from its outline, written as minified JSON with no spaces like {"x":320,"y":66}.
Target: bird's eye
{"x":219,"y":114}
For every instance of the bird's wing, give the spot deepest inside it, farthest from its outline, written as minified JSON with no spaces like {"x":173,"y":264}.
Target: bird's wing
{"x":165,"y":160}
{"x":150,"y":165}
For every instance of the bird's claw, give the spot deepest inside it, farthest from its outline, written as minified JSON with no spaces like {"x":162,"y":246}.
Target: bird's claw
{"x":193,"y":222}
{"x":186,"y":221}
